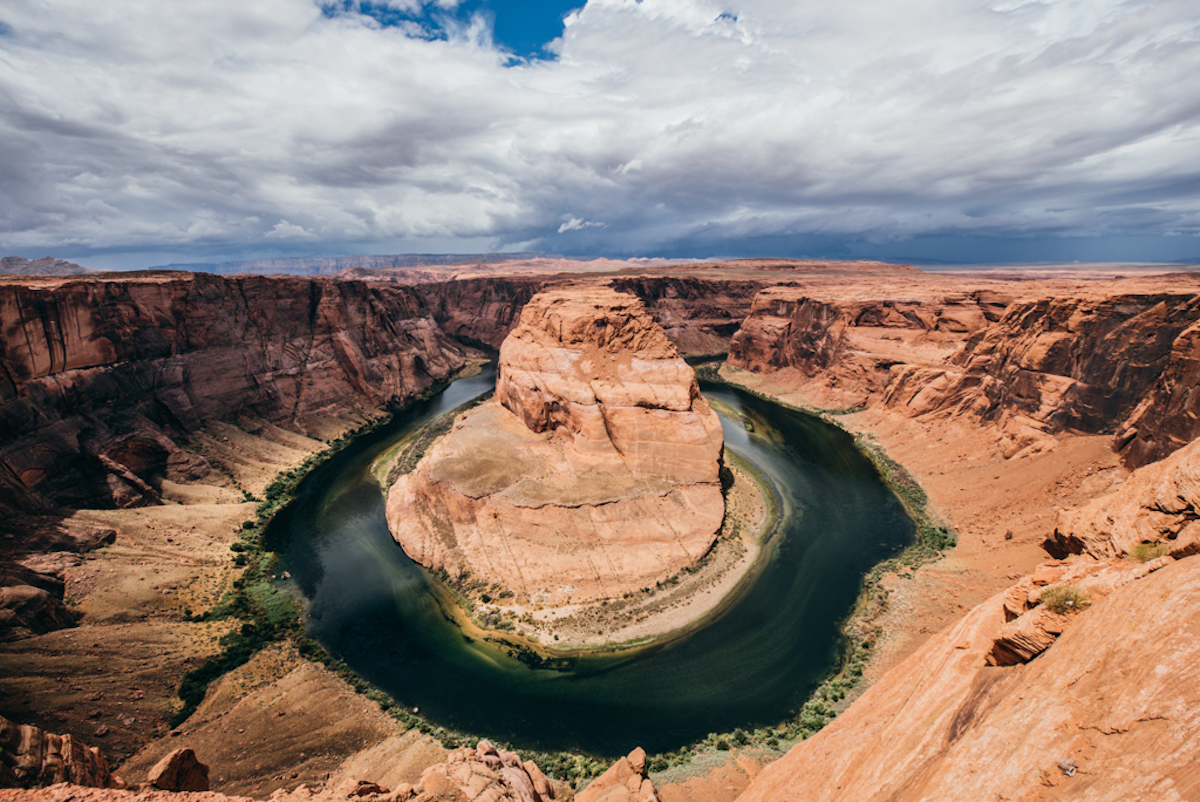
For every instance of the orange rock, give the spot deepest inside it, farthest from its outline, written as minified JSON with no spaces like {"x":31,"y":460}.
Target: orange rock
{"x":486,"y":773}
{"x":594,"y":473}
{"x":1158,"y":503}
{"x":31,"y":757}
{"x":625,"y":781}
{"x":180,"y":770}
{"x":1117,"y":696}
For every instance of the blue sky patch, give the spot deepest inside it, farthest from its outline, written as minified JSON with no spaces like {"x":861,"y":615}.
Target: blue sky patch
{"x":523,"y":27}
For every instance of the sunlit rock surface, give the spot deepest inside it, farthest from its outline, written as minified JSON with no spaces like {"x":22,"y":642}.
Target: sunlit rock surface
{"x":594,"y":472}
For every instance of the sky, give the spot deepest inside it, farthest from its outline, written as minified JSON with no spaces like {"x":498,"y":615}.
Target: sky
{"x":141,"y":132}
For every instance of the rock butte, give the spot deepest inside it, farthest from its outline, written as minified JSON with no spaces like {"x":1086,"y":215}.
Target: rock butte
{"x":595,"y":471}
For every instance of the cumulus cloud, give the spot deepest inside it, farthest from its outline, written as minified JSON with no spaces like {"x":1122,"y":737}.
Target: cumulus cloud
{"x":290,"y":231}
{"x":576,"y":224}
{"x":136,"y":124}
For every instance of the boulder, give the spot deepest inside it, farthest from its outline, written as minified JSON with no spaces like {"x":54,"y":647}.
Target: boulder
{"x":486,"y":773}
{"x":180,"y":770}
{"x":625,"y":781}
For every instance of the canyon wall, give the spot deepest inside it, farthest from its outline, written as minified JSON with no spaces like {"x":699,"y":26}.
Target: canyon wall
{"x":699,"y":315}
{"x":848,"y":348}
{"x":102,"y":378}
{"x":482,"y":310}
{"x":1126,"y":365}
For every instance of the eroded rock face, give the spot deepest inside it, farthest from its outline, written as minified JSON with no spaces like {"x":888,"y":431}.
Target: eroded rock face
{"x":852,"y":346}
{"x":102,"y":377}
{"x":1116,"y":693}
{"x":592,"y":365}
{"x":486,"y":772}
{"x":1168,"y":417}
{"x":31,"y":757}
{"x":1158,"y":504}
{"x":625,"y":781}
{"x":594,"y":472}
{"x":1125,"y":364}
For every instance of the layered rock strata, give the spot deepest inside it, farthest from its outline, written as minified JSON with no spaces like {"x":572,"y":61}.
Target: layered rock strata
{"x":850,"y":347}
{"x":1029,"y":369}
{"x":595,"y":471}
{"x":31,"y":757}
{"x":101,"y":378}
{"x":1157,"y":507}
{"x":699,"y":315}
{"x":1057,"y":364}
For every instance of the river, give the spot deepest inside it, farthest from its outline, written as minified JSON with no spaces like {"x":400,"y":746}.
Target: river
{"x":368,"y":604}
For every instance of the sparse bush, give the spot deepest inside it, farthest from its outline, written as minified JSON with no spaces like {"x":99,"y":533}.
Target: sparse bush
{"x":1065,"y":599}
{"x":1146,"y":551}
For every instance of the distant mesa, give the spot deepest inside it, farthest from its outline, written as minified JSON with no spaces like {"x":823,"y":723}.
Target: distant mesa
{"x":46,"y":266}
{"x":594,"y":471}
{"x":330,"y":265}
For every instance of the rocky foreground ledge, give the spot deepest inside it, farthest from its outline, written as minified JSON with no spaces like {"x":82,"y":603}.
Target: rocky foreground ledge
{"x":595,"y":472}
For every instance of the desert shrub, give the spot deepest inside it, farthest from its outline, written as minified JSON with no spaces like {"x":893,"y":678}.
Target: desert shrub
{"x":1143,"y":552}
{"x":1065,"y":599}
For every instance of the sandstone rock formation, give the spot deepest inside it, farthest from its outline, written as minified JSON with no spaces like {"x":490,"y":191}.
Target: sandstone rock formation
{"x":594,"y":472}
{"x":1000,"y":702}
{"x":1116,"y":697}
{"x":1159,"y":504}
{"x":181,"y":770}
{"x":699,"y":315}
{"x":1063,"y":363}
{"x":35,"y":552}
{"x":625,"y":781}
{"x":31,"y":757}
{"x":101,"y":378}
{"x":851,"y":346}
{"x":486,"y":774}
{"x":1168,"y":417}
{"x":1123,"y":364}
{"x":480,"y":309}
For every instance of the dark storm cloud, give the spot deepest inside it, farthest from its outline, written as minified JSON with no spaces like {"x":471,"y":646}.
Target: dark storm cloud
{"x":662,"y":125}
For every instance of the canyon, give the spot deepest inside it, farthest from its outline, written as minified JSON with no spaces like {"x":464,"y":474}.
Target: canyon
{"x":1045,"y":416}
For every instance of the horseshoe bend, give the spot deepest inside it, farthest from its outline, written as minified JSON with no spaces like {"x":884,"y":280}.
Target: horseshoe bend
{"x":593,"y":474}
{"x":162,"y":429}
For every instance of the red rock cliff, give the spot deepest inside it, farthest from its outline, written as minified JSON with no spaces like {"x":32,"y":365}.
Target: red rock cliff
{"x":850,"y":346}
{"x":100,"y":377}
{"x":1125,"y":364}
